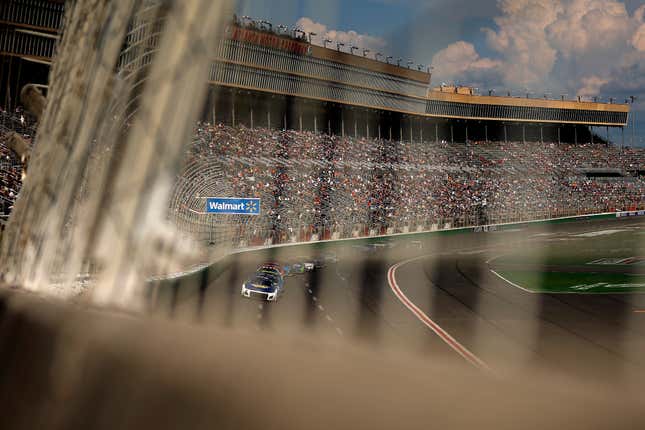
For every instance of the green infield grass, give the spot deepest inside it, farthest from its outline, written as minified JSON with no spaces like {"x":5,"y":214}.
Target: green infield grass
{"x":576,"y":283}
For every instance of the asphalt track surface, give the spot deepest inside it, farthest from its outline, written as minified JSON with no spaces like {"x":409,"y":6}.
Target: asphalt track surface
{"x":436,"y":297}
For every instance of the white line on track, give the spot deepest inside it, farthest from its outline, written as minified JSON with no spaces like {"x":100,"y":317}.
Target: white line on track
{"x":425,"y":319}
{"x":511,"y":283}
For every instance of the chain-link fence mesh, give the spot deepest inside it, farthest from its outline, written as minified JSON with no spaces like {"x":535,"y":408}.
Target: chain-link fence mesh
{"x":134,"y":140}
{"x":125,"y":92}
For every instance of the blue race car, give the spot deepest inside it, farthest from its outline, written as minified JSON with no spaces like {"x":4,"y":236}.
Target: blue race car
{"x":264,"y":285}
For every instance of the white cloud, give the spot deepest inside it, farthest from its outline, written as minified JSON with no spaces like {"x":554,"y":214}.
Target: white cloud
{"x":460,"y":60}
{"x":590,"y":25}
{"x":584,"y":47}
{"x":349,"y":38}
{"x":591,"y":86}
{"x":638,"y":40}
{"x":520,"y":39}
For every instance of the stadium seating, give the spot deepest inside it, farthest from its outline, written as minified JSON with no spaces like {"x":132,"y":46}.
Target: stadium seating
{"x":10,"y":167}
{"x":314,"y":185}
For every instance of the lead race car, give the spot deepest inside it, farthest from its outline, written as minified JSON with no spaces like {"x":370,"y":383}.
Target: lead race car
{"x":266,"y":285}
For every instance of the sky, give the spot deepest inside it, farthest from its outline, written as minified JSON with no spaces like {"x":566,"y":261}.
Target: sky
{"x":587,"y":48}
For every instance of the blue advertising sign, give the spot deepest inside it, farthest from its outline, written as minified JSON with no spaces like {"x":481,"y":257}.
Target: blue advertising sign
{"x":232,"y":206}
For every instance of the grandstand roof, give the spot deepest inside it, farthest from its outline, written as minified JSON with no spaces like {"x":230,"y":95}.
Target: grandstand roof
{"x":370,"y":64}
{"x":251,"y":34}
{"x":469,"y":106}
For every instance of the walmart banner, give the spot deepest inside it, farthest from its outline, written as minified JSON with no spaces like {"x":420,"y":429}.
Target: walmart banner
{"x":232,"y":206}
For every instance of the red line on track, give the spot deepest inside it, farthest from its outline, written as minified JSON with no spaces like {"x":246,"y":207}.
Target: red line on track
{"x":425,"y":319}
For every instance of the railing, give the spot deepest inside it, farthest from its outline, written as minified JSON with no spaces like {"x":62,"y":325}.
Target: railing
{"x":21,"y":42}
{"x":35,"y":13}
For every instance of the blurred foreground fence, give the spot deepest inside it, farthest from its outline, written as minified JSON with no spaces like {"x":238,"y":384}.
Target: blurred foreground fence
{"x":62,"y":367}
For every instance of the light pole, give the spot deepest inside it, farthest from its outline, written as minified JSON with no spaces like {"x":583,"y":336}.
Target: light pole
{"x":398,"y":62}
{"x":410,"y":63}
{"x":338,"y":45}
{"x":352,"y":48}
{"x":365,"y":52}
{"x":491,"y":92}
{"x":326,"y":42}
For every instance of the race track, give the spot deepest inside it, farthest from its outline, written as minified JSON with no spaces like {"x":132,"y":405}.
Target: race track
{"x":436,"y":296}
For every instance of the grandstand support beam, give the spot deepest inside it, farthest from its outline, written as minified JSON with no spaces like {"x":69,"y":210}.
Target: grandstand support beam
{"x":300,"y":121}
{"x":486,"y":132}
{"x":436,"y":133}
{"x":329,"y":127}
{"x":607,"y":134}
{"x":622,"y":138}
{"x":523,"y":133}
{"x":421,"y":133}
{"x":316,"y":124}
{"x":411,"y":133}
{"x":575,"y":134}
{"x":390,"y":133}
{"x":559,"y":135}
{"x":284,"y":121}
{"x":466,"y":131}
{"x":355,"y":128}
{"x":268,"y":118}
{"x":591,"y":134}
{"x":379,"y":130}
{"x":541,"y":134}
{"x":452,"y":134}
{"x":251,"y":117}
{"x":367,"y":128}
{"x":505,"y":134}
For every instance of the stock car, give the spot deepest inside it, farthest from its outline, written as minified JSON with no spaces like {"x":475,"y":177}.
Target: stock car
{"x":299,"y":267}
{"x":265,"y":284}
{"x":272,"y":267}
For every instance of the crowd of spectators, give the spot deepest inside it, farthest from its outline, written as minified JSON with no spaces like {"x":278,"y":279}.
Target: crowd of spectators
{"x":10,"y":166}
{"x":338,"y":184}
{"x":325,"y":184}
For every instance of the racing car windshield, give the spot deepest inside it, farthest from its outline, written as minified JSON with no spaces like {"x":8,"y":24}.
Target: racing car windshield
{"x":264,"y":281}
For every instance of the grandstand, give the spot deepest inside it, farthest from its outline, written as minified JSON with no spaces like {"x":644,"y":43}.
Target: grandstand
{"x":318,"y":186}
{"x":10,"y":165}
{"x":339,"y":144}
